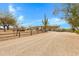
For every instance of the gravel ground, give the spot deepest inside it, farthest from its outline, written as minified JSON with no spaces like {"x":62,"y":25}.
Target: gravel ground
{"x":44,"y":44}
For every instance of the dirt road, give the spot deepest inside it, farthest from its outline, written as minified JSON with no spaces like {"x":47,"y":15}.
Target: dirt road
{"x":45,"y":44}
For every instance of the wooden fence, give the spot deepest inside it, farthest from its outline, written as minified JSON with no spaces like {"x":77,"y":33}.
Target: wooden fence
{"x":12,"y":35}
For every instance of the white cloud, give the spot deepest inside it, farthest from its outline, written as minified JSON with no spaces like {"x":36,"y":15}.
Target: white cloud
{"x":12,"y":9}
{"x":52,"y":21}
{"x":32,"y":22}
{"x":56,"y":21}
{"x":18,"y":8}
{"x":21,"y":18}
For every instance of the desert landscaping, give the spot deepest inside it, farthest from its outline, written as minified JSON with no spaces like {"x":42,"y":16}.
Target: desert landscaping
{"x":39,"y":29}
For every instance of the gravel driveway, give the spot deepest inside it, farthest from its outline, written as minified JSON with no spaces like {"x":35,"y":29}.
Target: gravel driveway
{"x":44,"y":44}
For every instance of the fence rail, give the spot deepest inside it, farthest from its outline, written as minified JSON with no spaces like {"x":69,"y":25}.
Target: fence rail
{"x":12,"y":35}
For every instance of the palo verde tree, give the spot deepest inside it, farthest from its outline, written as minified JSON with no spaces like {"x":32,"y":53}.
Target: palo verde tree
{"x":7,"y":20}
{"x":70,"y":14}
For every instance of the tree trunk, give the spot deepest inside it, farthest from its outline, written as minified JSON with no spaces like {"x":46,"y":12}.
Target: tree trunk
{"x":77,"y":28}
{"x":7,"y":27}
{"x":73,"y":28}
{"x":4,"y":28}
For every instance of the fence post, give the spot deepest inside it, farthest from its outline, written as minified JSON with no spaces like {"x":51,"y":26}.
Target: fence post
{"x":31,"y":32}
{"x":19,"y":34}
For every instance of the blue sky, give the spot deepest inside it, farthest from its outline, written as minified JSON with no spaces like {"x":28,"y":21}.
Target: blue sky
{"x":33,"y":13}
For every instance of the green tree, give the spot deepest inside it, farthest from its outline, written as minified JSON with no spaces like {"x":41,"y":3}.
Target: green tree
{"x":10,"y":20}
{"x":7,"y":20}
{"x":70,"y":14}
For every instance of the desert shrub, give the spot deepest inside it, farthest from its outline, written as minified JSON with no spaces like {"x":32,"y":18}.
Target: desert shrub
{"x":64,"y":30}
{"x":77,"y":31}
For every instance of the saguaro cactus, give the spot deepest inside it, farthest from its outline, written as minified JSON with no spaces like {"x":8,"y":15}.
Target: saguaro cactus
{"x":45,"y":23}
